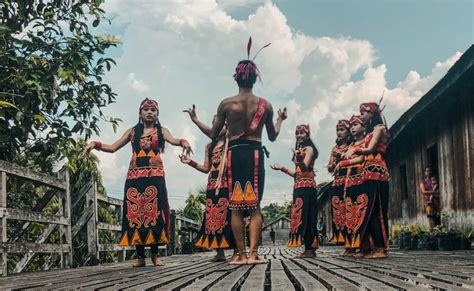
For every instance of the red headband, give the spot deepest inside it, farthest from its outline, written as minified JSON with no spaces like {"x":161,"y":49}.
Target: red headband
{"x":245,"y":69}
{"x":343,"y":123}
{"x":148,"y":103}
{"x":355,"y":119}
{"x":370,"y":107}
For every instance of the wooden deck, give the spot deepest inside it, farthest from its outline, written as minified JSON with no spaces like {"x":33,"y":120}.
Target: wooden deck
{"x":412,"y":270}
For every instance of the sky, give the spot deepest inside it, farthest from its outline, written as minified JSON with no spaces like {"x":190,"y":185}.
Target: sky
{"x":326,"y":58}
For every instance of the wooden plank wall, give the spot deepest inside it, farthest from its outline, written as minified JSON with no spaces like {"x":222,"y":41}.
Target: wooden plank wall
{"x":450,"y":125}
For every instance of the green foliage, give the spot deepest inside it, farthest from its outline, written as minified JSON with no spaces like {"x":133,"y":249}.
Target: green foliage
{"x":51,"y":69}
{"x":274,"y":210}
{"x":193,"y":208}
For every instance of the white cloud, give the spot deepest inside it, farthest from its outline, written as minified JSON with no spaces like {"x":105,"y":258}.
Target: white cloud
{"x":136,"y":84}
{"x":184,"y":52}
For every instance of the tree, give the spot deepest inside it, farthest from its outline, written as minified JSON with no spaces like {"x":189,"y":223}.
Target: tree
{"x":274,"y":210}
{"x":51,"y":69}
{"x":193,"y":208}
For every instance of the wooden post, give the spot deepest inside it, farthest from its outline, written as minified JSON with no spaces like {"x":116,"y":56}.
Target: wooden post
{"x":3,"y":232}
{"x":173,"y":232}
{"x":92,"y":237}
{"x":121,"y":254}
{"x":67,"y":215}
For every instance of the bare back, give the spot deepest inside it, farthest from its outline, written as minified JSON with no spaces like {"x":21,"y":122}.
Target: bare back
{"x":239,"y":111}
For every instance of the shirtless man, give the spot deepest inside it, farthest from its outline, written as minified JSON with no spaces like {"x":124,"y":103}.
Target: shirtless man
{"x":246,"y":115}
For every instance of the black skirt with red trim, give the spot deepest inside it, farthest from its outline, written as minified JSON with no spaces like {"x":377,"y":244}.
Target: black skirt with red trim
{"x":216,"y":231}
{"x":145,"y":212}
{"x":304,"y":216}
{"x":245,"y":174}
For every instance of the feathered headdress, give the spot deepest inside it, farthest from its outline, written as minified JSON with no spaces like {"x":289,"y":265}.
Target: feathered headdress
{"x":244,"y":69}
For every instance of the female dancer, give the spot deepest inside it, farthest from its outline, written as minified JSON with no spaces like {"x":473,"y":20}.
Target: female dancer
{"x":146,"y":212}
{"x":376,"y":177}
{"x":355,"y":200}
{"x":343,"y":141}
{"x":304,"y":216}
{"x":216,"y":231}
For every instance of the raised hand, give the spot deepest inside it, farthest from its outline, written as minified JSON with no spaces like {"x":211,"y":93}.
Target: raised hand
{"x":276,"y":167}
{"x":282,"y":115}
{"x":87,"y":149}
{"x":184,"y":159}
{"x":187,"y":150}
{"x":192,"y":112}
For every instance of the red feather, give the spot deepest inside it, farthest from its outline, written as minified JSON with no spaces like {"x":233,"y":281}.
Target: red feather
{"x":261,"y":50}
{"x":249,"y":46}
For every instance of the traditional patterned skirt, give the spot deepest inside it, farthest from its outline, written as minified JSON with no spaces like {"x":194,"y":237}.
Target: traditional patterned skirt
{"x":216,"y":231}
{"x":146,"y":212}
{"x":366,"y":215}
{"x":245,"y":174}
{"x":338,"y":208}
{"x":304,"y":216}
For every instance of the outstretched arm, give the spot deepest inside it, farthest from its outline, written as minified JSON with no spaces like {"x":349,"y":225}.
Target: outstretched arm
{"x":192,"y":114}
{"x":109,"y":148}
{"x":177,"y":142}
{"x":204,"y":168}
{"x":283,"y":169}
{"x":274,"y":129}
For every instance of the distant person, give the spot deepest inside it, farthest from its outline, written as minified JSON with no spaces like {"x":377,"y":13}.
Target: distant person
{"x":430,"y":190}
{"x":321,"y":230}
{"x":272,"y":236}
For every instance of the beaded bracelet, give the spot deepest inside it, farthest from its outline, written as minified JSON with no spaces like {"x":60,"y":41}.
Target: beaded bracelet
{"x":193,"y":164}
{"x":284,"y":170}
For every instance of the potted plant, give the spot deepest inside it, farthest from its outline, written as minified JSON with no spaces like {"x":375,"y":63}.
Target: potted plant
{"x":467,"y":236}
{"x":404,"y":238}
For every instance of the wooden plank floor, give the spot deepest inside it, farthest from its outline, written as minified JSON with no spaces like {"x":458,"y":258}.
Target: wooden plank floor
{"x":411,"y":270}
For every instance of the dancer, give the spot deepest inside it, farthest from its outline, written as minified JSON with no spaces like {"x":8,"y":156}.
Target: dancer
{"x":246,"y":115}
{"x":216,"y":231}
{"x":304,"y":215}
{"x":344,"y":139}
{"x":376,"y":179}
{"x":355,"y":200}
{"x":146,"y":212}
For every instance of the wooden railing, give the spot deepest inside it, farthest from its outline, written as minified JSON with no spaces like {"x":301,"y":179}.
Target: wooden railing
{"x":58,"y":186}
{"x":89,"y":218}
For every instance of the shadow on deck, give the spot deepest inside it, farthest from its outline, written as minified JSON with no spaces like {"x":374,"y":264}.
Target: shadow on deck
{"x":402,"y":270}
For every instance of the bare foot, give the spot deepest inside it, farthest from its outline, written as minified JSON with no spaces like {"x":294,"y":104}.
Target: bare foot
{"x":348,"y":253}
{"x":307,"y":254}
{"x":234,"y":257}
{"x":361,"y":254}
{"x":155,"y":261}
{"x":254,"y":259}
{"x":378,"y":254}
{"x":139,"y":263}
{"x":241,"y":259}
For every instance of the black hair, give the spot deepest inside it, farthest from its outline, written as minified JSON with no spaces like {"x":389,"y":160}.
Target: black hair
{"x":245,"y":80}
{"x":375,"y":120}
{"x":139,"y":132}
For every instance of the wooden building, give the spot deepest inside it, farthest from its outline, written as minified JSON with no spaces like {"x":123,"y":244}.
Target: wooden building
{"x":438,"y":131}
{"x":281,"y":226}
